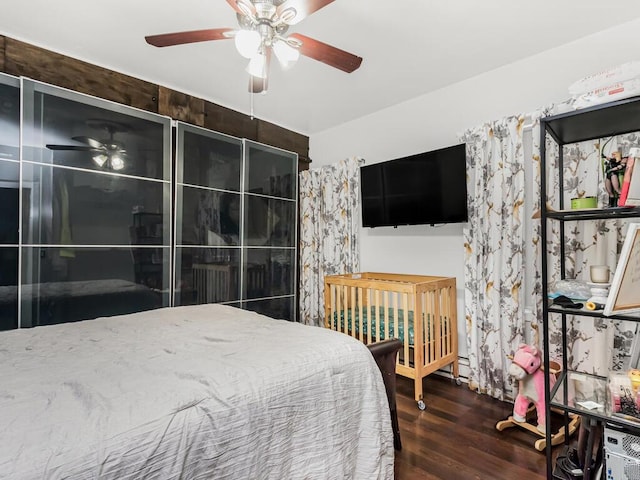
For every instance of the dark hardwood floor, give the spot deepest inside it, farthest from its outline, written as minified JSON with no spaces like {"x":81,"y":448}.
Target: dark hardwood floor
{"x":455,"y":437}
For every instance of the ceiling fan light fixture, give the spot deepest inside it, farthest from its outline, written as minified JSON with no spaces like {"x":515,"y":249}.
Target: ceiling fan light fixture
{"x":258,"y":65}
{"x":245,"y":8}
{"x":247,"y":42}
{"x":288,"y":14}
{"x":286,"y":54}
{"x":100,"y":159}
{"x":117,"y":162}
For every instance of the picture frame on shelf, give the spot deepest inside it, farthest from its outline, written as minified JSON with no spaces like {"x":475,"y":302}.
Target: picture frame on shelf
{"x":624,"y":295}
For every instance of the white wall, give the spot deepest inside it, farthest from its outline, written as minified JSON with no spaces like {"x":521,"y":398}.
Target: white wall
{"x":434,"y":120}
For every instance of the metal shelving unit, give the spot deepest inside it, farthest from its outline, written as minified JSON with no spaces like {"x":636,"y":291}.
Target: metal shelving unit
{"x":600,"y":121}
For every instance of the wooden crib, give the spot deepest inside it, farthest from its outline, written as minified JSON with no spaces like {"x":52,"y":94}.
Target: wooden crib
{"x":371,"y":307}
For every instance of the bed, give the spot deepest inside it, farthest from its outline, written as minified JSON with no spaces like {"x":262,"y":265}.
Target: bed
{"x":195,"y":392}
{"x":372,"y":307}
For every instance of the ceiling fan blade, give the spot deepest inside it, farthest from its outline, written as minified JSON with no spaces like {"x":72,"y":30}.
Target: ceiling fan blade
{"x":239,"y":9}
{"x":73,"y":147}
{"x":332,"y":56}
{"x":92,"y":142}
{"x":303,"y":8}
{"x":193,"y":36}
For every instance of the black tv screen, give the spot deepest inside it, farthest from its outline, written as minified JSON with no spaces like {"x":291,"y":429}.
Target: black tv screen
{"x":426,"y":188}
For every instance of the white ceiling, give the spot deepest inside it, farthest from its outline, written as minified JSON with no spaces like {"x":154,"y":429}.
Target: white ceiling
{"x":410,"y":47}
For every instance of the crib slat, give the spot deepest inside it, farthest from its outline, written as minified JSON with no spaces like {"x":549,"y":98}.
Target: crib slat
{"x":388,"y":311}
{"x":328,"y":311}
{"x":340,"y":307}
{"x":345,"y":307}
{"x":437,"y":324}
{"x":360,"y":320}
{"x":352,"y":309}
{"x":383,"y":322}
{"x":451,"y":327}
{"x":429,"y":332}
{"x":396,"y":316}
{"x":385,"y":316}
{"x":405,"y":306}
{"x":378,"y":303}
{"x":370,"y":319}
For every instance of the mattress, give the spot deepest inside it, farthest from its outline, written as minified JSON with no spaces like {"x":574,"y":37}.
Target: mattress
{"x":196,"y":392}
{"x":382,"y":326}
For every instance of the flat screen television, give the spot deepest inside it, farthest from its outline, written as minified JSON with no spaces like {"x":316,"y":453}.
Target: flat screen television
{"x":424,"y":189}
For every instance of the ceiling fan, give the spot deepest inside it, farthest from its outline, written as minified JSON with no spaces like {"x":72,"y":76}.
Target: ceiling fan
{"x":107,"y":153}
{"x":263,"y":27}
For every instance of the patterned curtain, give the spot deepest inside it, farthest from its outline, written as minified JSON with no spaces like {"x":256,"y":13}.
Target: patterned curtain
{"x":495,"y":271}
{"x":593,"y":345}
{"x":494,"y":246}
{"x":329,"y":231}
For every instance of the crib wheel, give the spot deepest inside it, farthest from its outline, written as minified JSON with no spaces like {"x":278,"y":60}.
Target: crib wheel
{"x":458,"y":381}
{"x":421,"y":405}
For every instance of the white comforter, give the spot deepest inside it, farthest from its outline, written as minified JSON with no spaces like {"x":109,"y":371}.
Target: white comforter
{"x":201,"y":392}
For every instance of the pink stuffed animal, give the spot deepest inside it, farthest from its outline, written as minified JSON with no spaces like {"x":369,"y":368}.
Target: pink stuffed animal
{"x":525,"y":368}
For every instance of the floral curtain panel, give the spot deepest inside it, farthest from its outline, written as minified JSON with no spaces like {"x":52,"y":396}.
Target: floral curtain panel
{"x":494,"y":245}
{"x":495,"y":268}
{"x":329,"y":231}
{"x":495,"y":271}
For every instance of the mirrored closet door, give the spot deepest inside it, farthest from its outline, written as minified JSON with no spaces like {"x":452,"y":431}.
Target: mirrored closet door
{"x":235,"y":223}
{"x":269,"y":231}
{"x":208,"y":212}
{"x":96,"y":207}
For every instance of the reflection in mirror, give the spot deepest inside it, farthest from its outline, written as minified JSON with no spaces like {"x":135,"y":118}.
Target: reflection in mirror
{"x":207,"y":275}
{"x":210,"y":217}
{"x":279,"y":308}
{"x":9,"y":212}
{"x":8,"y":288}
{"x":77,"y":133}
{"x":269,"y":222}
{"x":9,"y":122}
{"x":9,"y":201}
{"x":269,"y":272}
{"x":270,"y":172}
{"x":211,"y":160}
{"x":75,"y":207}
{"x":230,"y":215}
{"x":69,"y":284}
